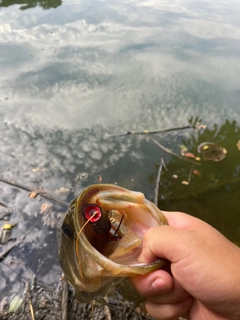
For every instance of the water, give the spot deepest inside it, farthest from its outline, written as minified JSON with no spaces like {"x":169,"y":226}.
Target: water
{"x":75,"y":73}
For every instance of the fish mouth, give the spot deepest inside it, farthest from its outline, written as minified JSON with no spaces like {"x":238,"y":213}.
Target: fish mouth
{"x":115,"y":221}
{"x":117,"y":242}
{"x":101,"y":236}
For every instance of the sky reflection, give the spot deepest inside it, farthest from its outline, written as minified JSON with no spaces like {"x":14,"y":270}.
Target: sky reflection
{"x":72,"y":76}
{"x":109,"y":63}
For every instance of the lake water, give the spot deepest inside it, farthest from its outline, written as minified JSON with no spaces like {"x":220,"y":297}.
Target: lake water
{"x":74,"y":73}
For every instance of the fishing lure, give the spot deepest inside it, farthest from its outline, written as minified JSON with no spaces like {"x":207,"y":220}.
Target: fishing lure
{"x":100,"y":220}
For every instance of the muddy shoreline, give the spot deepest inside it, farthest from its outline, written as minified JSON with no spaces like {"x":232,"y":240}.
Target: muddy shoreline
{"x":44,"y":303}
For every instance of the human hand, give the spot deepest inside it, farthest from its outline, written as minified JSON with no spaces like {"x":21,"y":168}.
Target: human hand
{"x":204,"y":282}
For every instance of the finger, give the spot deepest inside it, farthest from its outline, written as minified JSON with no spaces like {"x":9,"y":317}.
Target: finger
{"x":170,"y":240}
{"x":154,"y":283}
{"x":168,"y":311}
{"x":159,"y":287}
{"x":165,"y":242}
{"x":176,"y":295}
{"x":181,"y":220}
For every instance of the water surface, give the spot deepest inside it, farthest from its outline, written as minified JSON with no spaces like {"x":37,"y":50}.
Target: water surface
{"x":75,"y":73}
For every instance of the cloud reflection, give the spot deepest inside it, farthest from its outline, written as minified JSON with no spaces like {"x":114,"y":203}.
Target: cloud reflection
{"x":75,"y":68}
{"x":71,"y":77}
{"x":64,"y":154}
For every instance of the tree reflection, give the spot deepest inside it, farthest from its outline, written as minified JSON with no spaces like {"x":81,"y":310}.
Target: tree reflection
{"x":213,"y":195}
{"x":24,"y":4}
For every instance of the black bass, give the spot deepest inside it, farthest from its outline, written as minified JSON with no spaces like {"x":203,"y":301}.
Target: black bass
{"x":100,"y":237}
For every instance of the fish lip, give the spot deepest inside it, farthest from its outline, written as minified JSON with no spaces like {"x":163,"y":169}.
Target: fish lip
{"x":146,"y":264}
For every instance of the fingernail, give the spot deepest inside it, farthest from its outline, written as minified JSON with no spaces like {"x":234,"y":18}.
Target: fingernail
{"x":159,"y":284}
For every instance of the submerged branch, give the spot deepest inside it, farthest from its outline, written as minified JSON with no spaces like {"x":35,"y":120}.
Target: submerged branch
{"x":35,"y":192}
{"x":158,"y":182}
{"x":165,"y":149}
{"x":173,"y":153}
{"x":5,"y":252}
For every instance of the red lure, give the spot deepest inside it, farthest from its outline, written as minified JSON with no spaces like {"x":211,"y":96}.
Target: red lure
{"x":98,"y":218}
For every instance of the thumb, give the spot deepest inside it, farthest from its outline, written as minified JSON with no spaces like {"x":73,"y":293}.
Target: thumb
{"x":164,"y":242}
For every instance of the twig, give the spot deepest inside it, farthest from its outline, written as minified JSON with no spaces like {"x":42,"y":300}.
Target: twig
{"x":158,"y":182}
{"x":37,"y":191}
{"x":7,"y":250}
{"x":165,"y":149}
{"x":107,"y":312}
{"x":190,"y":174}
{"x":173,"y":153}
{"x":30,"y":302}
{"x":64,"y":304}
{"x":152,"y":132}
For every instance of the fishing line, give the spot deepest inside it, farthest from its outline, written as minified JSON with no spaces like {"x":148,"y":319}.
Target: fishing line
{"x":77,"y":253}
{"x":78,"y":236}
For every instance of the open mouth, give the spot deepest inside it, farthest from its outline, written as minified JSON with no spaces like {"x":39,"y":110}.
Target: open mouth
{"x":109,"y":233}
{"x":114,"y":220}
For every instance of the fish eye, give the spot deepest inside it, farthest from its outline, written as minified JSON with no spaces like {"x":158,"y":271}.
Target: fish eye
{"x":67,"y":231}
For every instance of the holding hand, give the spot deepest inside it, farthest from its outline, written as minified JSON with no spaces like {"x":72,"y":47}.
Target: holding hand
{"x":204,"y":282}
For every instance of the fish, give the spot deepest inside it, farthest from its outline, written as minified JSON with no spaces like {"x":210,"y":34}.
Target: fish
{"x":100,"y":238}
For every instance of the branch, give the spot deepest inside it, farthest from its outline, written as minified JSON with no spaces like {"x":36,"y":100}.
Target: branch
{"x":35,"y":192}
{"x":152,"y":132}
{"x":158,"y":182}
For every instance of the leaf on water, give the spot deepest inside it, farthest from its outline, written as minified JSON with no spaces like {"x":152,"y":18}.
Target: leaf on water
{"x":210,"y":151}
{"x":62,"y":190}
{"x":183,"y":149}
{"x":45,"y":207}
{"x":7,"y":226}
{"x":38,"y":169}
{"x":186,"y":153}
{"x":197,"y":173}
{"x":198,"y":125}
{"x":189,"y":155}
{"x":33,"y":194}
{"x":186,"y":183}
{"x":15,"y":303}
{"x":238,"y":144}
{"x":182,"y":146}
{"x":99,"y":178}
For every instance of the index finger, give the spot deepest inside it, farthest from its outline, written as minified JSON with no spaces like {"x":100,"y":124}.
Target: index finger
{"x":180,"y":220}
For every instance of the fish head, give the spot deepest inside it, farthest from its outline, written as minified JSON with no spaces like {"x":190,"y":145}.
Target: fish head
{"x":101,"y":235}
